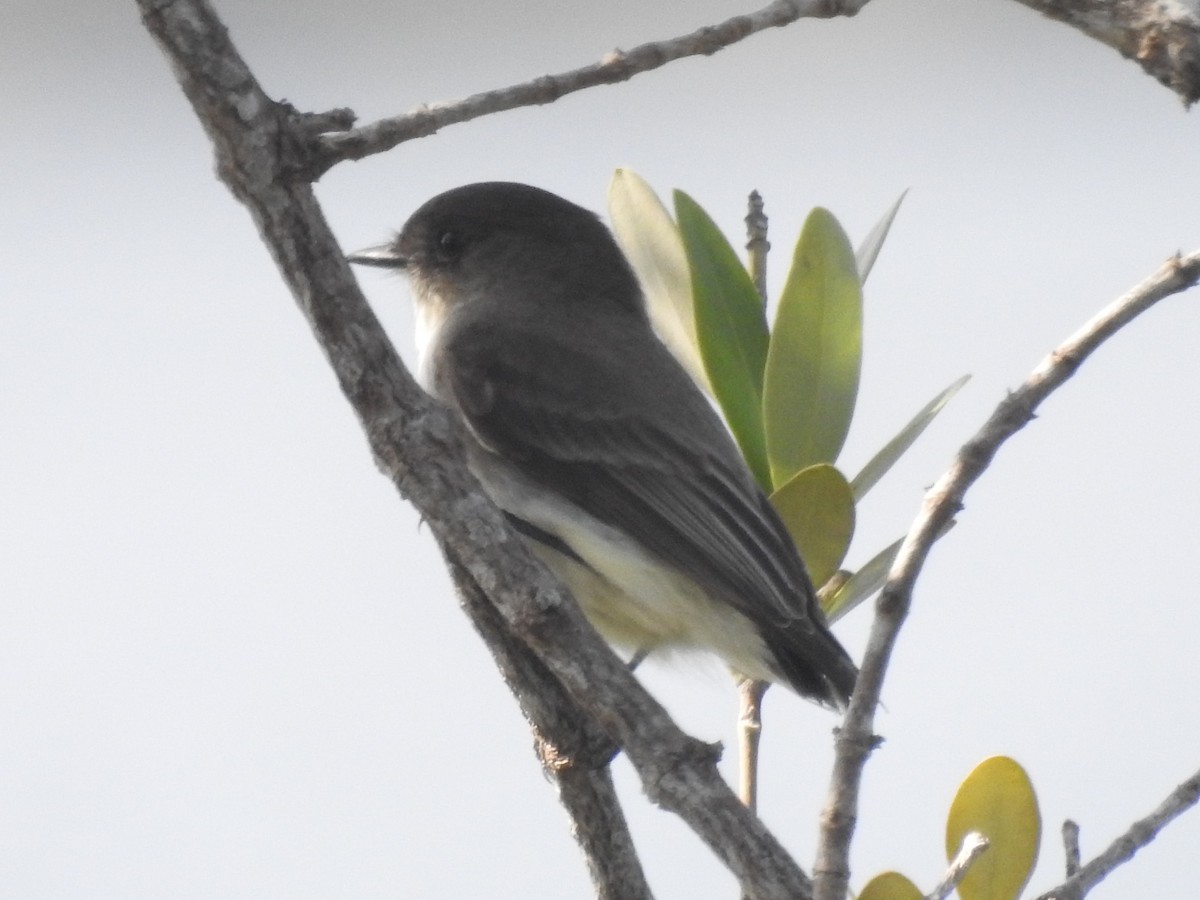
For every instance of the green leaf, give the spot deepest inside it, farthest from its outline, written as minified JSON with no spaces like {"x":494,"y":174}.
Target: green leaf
{"x":862,"y":584}
{"x":818,"y":510}
{"x":651,"y":242}
{"x":996,"y":800}
{"x":869,"y":249}
{"x":731,"y":328}
{"x":890,"y":886}
{"x":895,"y":448}
{"x":815,"y":353}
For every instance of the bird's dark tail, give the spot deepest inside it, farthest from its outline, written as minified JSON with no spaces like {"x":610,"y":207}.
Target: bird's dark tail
{"x":809,"y":659}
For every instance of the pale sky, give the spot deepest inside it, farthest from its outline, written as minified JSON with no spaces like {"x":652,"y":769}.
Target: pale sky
{"x":230,"y":661}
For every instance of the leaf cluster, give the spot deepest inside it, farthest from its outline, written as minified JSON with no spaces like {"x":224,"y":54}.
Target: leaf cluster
{"x":787,"y":390}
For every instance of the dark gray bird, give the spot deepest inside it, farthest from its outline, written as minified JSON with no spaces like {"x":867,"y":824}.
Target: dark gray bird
{"x":591,"y":437}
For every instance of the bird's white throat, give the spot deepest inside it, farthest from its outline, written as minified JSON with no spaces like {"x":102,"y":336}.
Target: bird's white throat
{"x":430,"y":317}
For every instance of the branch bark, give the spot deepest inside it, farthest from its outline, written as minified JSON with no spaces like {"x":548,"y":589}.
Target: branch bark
{"x":1120,"y":851}
{"x":574,"y":753}
{"x":264,"y":156}
{"x":1070,"y":836}
{"x":617,"y":66}
{"x":974,"y":845}
{"x":855,"y":738}
{"x":1162,"y":37}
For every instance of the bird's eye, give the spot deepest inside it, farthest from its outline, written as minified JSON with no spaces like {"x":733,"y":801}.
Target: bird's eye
{"x":448,"y":246}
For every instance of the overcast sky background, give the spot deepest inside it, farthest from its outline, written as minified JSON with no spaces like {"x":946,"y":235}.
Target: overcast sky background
{"x":230,"y":661}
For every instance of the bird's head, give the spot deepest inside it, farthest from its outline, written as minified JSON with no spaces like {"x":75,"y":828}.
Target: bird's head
{"x":509,"y":241}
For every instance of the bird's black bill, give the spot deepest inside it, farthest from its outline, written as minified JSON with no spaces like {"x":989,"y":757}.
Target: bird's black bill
{"x":383,"y":256}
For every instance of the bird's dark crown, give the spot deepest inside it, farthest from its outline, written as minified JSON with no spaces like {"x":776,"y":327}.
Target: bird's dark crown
{"x":494,"y":232}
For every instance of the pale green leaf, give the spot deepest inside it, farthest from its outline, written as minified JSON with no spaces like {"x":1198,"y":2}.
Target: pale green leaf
{"x":811,"y":380}
{"x":877,"y":467}
{"x":867,"y":580}
{"x":996,"y":800}
{"x":650,"y":241}
{"x":731,"y":328}
{"x":818,"y":510}
{"x":861,"y":585}
{"x":890,"y":886}
{"x":869,"y":249}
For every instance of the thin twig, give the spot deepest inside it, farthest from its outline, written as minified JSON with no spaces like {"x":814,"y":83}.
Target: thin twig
{"x":616,"y":67}
{"x":750,"y":697}
{"x":1070,"y":836}
{"x":855,"y":738}
{"x":1120,"y":851}
{"x":757,"y":245}
{"x":973,"y":846}
{"x":751,"y":692}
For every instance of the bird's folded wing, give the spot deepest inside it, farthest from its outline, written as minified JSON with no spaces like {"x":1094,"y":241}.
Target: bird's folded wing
{"x":620,"y":431}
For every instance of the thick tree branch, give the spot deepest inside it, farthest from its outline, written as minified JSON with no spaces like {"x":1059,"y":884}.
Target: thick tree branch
{"x":1162,"y":36}
{"x":574,"y":752}
{"x":262,"y":156}
{"x":616,"y":67}
{"x":1120,"y":851}
{"x":855,"y":738}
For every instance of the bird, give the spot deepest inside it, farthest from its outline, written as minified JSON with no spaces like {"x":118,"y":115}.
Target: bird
{"x":594,"y":441}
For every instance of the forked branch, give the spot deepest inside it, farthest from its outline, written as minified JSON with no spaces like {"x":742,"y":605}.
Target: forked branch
{"x":855,"y":738}
{"x":1120,"y":851}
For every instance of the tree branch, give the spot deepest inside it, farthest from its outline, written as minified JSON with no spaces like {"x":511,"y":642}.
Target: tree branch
{"x":1120,"y":851}
{"x":262,"y":155}
{"x":1070,"y":836}
{"x":616,"y":67}
{"x":1162,"y":36}
{"x":973,"y":846}
{"x":855,"y":738}
{"x":574,"y":753}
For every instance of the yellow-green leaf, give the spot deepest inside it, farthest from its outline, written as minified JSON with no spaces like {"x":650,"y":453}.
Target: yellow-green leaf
{"x":996,"y":800}
{"x":731,"y":328}
{"x":890,"y":886}
{"x":650,"y":241}
{"x":815,"y":354}
{"x":818,"y":510}
{"x":861,"y":585}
